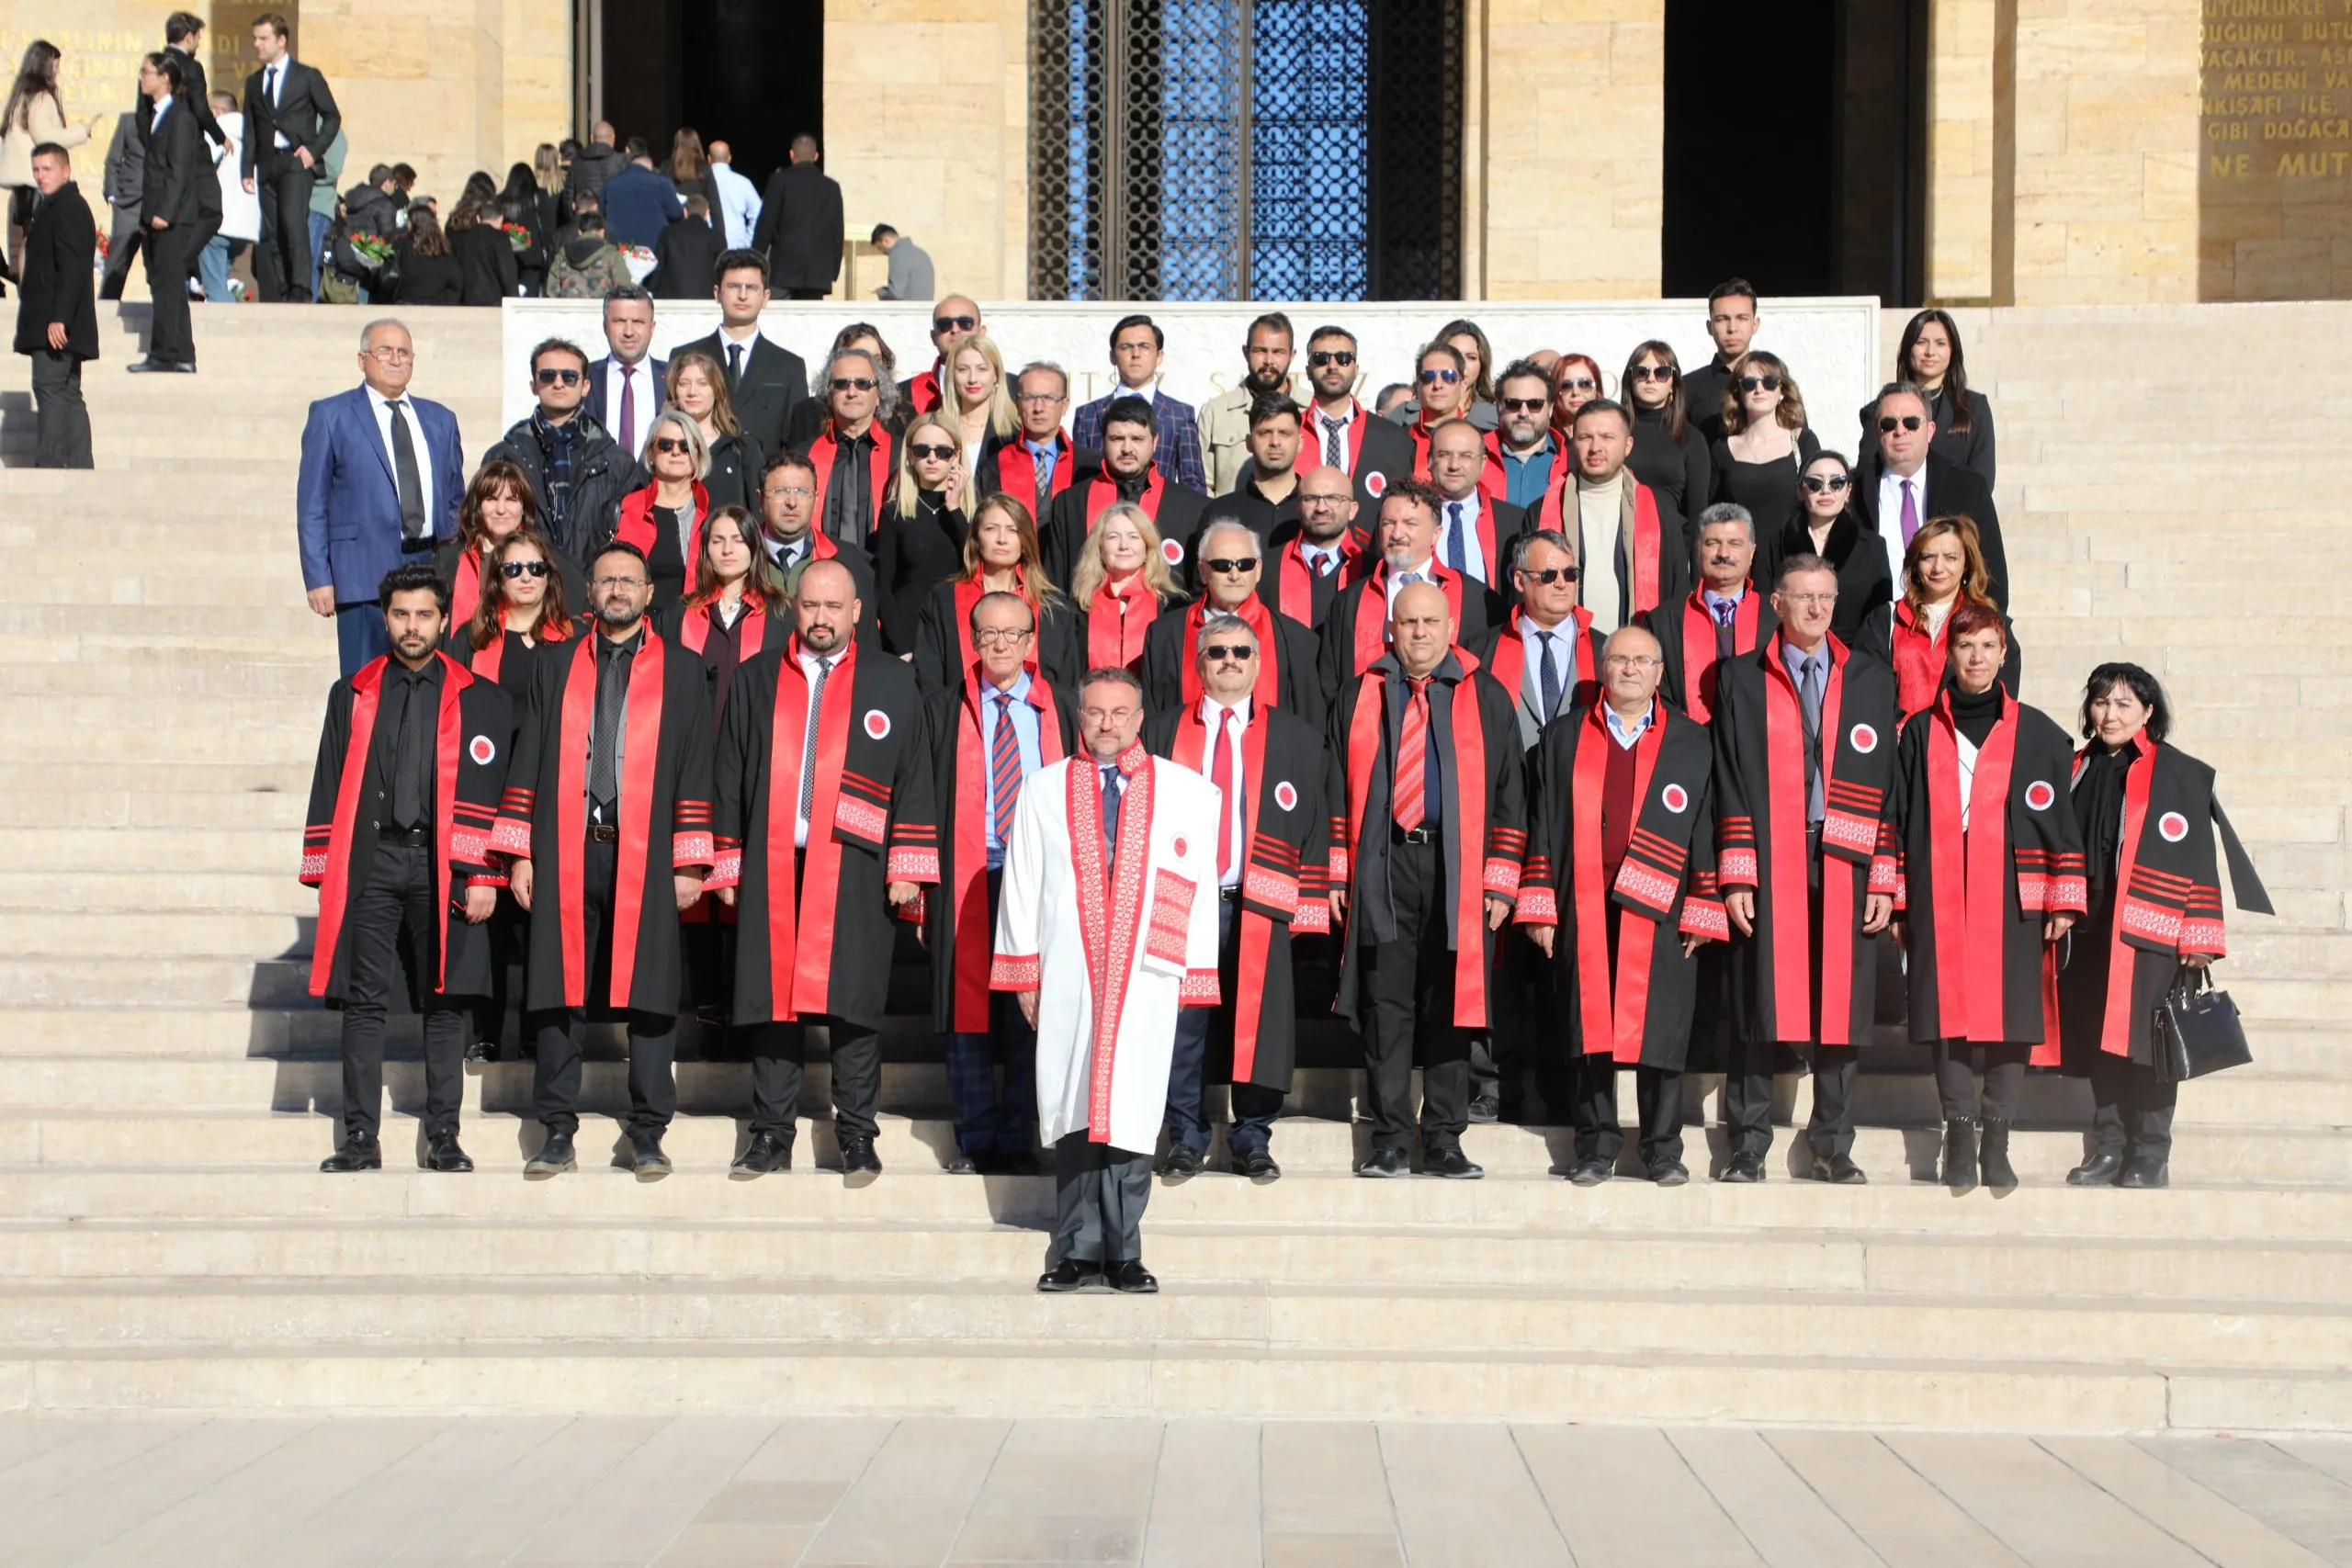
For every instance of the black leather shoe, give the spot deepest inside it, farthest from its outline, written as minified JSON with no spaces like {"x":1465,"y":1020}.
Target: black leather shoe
{"x":1993,"y":1158}
{"x":1744,"y":1167}
{"x":1454,"y":1165}
{"x":2145,"y":1170}
{"x":1590,"y":1172}
{"x":1131,"y":1276}
{"x":961,"y":1164}
{"x":1258,"y":1165}
{"x":555,"y":1157}
{"x":149,"y":366}
{"x":1070,"y":1274}
{"x":859,"y":1168}
{"x":356,"y":1154}
{"x":1025,"y":1163}
{"x":1670,"y":1173}
{"x":1182,"y":1164}
{"x":1485,"y":1108}
{"x":442,"y":1154}
{"x":646,"y":1155}
{"x":1960,"y":1155}
{"x":1385,"y":1162}
{"x":1838,"y":1171}
{"x":2099,"y":1170}
{"x":481,"y":1051}
{"x":766,"y":1151}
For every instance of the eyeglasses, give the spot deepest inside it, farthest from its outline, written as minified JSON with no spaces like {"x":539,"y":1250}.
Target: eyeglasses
{"x":1040,"y":397}
{"x":1756,"y":383}
{"x":1340,"y":356}
{"x":1908,"y":421}
{"x":1110,"y":715}
{"x":1655,"y":372}
{"x":392,"y":356}
{"x":1807,"y":601}
{"x":1238,"y":653}
{"x":1308,"y":498}
{"x":1551,"y":574}
{"x":1821,"y":484}
{"x":781,"y":491}
{"x":853,"y":383}
{"x":1000,"y":636}
{"x":1447,"y":377}
{"x":1523,"y":405}
{"x":1629,"y":660}
{"x":513,"y":568}
{"x":607,"y":584}
{"x":1580,"y":384}
{"x":953,"y":323}
{"x":926,"y":449}
{"x":1243,"y":566}
{"x":673,"y":443}
{"x":551,"y":377}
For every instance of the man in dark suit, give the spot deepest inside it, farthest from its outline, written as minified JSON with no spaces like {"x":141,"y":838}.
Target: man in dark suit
{"x":169,"y":203}
{"x":1474,"y":530}
{"x":764,"y":382}
{"x":800,"y":225}
{"x":639,"y":201}
{"x":126,"y":183}
{"x":1340,"y":432}
{"x":57,"y":318}
{"x":290,"y":119}
{"x":629,"y":385}
{"x":380,"y":479}
{"x":1902,"y":482}
{"x":184,"y":41}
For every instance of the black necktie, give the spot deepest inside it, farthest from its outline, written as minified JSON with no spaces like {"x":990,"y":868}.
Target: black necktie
{"x":734,"y":366}
{"x":604,"y":740}
{"x":404,"y":473}
{"x":1113,"y":786}
{"x":413,"y":743}
{"x":269,"y":88}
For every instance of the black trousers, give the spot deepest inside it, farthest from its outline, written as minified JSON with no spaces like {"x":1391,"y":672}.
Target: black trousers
{"x":1658,"y":1099}
{"x":1408,"y":987}
{"x":400,"y":897}
{"x":779,"y":1054}
{"x":1958,"y":1063}
{"x":282,"y":259}
{"x":1254,"y":1105}
{"x":171,"y":262}
{"x":63,"y":438}
{"x":509,"y":930}
{"x":652,"y":1037}
{"x":1748,"y":1065}
{"x":1098,"y":1197}
{"x":126,"y":239}
{"x":2132,"y":1107}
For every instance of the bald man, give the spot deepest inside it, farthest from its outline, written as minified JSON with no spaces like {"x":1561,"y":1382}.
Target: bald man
{"x":1318,"y":553}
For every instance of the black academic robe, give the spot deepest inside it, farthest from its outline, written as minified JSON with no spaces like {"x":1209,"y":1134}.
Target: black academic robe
{"x":349,"y":794}
{"x":1248,"y":505}
{"x":1972,"y":903}
{"x":1287,"y":676}
{"x":723,"y":649}
{"x":1686,"y":645}
{"x":944,"y":649}
{"x":1378,"y":452}
{"x":1627,"y":992}
{"x":822,"y":949}
{"x":664,"y":825}
{"x":957,"y":932}
{"x":1356,"y":632}
{"x":1287,"y":785}
{"x":1653,"y":554}
{"x":1298,"y":591}
{"x":1759,"y":724}
{"x":1175,"y":510}
{"x":508,"y":662}
{"x":1473,"y":735}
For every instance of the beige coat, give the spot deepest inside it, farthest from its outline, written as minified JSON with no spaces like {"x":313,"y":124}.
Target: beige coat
{"x":44,"y":121}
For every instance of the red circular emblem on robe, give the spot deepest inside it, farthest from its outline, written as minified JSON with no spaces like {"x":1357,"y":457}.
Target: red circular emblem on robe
{"x":2038,"y":795}
{"x":1172,"y":552}
{"x":1285,"y":796}
{"x":1179,"y":849}
{"x":1675,"y":798}
{"x":482,"y":750}
{"x":877,"y":724}
{"x":1865,"y":739}
{"x":1376,"y":483}
{"x":2172,"y":826}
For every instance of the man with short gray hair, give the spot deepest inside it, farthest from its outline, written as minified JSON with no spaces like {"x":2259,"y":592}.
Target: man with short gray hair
{"x":1722,"y":618}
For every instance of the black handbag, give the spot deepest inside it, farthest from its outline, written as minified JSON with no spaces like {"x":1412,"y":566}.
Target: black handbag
{"x":2197,"y":1030}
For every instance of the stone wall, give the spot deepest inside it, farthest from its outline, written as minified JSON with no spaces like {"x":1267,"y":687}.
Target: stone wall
{"x":2275,"y":151}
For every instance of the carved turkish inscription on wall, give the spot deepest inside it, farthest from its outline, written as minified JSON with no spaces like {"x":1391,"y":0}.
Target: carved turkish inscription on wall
{"x":2275,"y":153}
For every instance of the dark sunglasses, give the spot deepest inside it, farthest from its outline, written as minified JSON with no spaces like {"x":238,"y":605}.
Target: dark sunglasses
{"x":1908,"y":421}
{"x":523,"y":569}
{"x":925,"y":449}
{"x":1236,"y":651}
{"x":1244,"y":564}
{"x":1448,"y":376}
{"x":853,"y":383}
{"x":953,"y":323}
{"x":1550,"y":574}
{"x":673,"y":443}
{"x":1580,"y":384}
{"x":552,"y":375}
{"x":1524,"y":405}
{"x":1331,"y":357}
{"x":1821,"y":484}
{"x":1655,"y":373}
{"x":1750,"y":383}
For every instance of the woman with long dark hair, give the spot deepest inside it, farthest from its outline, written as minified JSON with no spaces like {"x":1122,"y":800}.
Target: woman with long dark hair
{"x":1825,"y":524}
{"x":498,"y":502}
{"x":429,"y":274}
{"x":1765,"y":442}
{"x":486,"y":269}
{"x":34,"y":113}
{"x":1929,"y":357}
{"x":1001,"y":555}
{"x":522,"y":204}
{"x":1669,"y":450}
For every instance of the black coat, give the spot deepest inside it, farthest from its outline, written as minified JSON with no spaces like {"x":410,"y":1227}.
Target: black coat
{"x":1971,"y":448}
{"x":1171,"y":654}
{"x":1342,"y":656}
{"x":686,"y":258}
{"x":602,"y":474}
{"x":774,"y":381}
{"x":485,"y":257}
{"x":1677,"y":471}
{"x":1385,"y":455}
{"x":1061,"y":534}
{"x":800,"y":228}
{"x":176,"y":158}
{"x":429,"y":280}
{"x":1865,"y":591}
{"x":1951,"y":489}
{"x":57,"y":285}
{"x":734,"y":476}
{"x":914,"y":556}
{"x":941,"y":633}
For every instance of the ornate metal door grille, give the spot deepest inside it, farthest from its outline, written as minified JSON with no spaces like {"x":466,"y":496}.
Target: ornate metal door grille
{"x":1240,"y":149}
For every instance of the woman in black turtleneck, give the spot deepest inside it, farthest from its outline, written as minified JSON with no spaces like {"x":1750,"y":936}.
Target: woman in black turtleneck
{"x":1669,"y":450}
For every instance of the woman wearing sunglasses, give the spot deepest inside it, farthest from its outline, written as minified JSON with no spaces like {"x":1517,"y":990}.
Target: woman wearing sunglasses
{"x":699,"y":388}
{"x":1669,"y":449}
{"x":1765,"y":444}
{"x":664,"y":519}
{"x":499,"y":501}
{"x":1576,"y":381}
{"x":919,"y":544}
{"x":1825,"y":524}
{"x":1474,"y":395}
{"x":1930,"y":359}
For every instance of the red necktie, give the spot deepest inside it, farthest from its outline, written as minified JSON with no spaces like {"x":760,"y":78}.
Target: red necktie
{"x":1221,"y":776}
{"x":1004,"y":768}
{"x":1409,"y":803}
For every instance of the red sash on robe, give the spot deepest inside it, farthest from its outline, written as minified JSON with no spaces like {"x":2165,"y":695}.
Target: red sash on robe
{"x":1971,"y":872}
{"x":967,"y":595}
{"x":1699,"y":673}
{"x":800,"y":919}
{"x":1256,"y":932}
{"x":1465,"y":755}
{"x":1492,"y":484}
{"x":1371,"y":609}
{"x":1297,"y":591}
{"x":636,"y":527}
{"x":465,"y":588}
{"x":1113,"y":639}
{"x":1312,"y":436}
{"x":975,"y":932}
{"x":694,"y":626}
{"x":1016,"y":471}
{"x":335,"y":887}
{"x":1792,"y":967}
{"x":1109,"y":903}
{"x":1510,"y":666}
{"x":924,"y":391}
{"x":1267,"y":691}
{"x":488,"y":662}
{"x":1613,"y":1009}
{"x":878,"y":469}
{"x":2122,"y":958}
{"x":1919,"y":658}
{"x":1101,"y":491}
{"x":641,"y":749}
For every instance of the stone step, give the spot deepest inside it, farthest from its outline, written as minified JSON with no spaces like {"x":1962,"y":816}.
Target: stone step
{"x":279,"y":810}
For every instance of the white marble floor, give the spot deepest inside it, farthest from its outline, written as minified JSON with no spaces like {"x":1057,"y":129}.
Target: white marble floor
{"x":597,"y":1492}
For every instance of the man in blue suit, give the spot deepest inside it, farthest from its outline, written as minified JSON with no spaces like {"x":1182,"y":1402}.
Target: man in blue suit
{"x":380,"y":487}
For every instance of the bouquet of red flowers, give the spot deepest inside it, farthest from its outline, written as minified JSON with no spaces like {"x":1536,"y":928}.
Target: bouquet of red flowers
{"x":517,"y":235}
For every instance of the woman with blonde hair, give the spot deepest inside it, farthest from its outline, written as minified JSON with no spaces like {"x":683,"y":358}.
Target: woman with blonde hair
{"x":985,"y":418}
{"x":665,"y":518}
{"x":921,"y":542}
{"x":1121,"y":584}
{"x":1001,"y":555}
{"x":1765,"y":445}
{"x":1942,"y":570}
{"x":699,"y":387}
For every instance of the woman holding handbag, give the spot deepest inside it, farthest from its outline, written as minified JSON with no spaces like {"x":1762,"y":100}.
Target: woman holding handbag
{"x":2148,"y":819}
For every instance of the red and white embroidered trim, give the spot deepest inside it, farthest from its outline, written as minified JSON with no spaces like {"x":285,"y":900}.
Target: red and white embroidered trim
{"x":1016,"y":972}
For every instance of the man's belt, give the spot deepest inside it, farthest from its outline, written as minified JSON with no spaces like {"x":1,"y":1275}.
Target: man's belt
{"x":604,"y":833}
{"x":1424,"y":834}
{"x":405,"y":838}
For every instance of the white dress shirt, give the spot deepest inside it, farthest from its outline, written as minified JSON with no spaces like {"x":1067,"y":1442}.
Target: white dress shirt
{"x":1967,"y":749}
{"x":1532,"y":639}
{"x":749,"y":342}
{"x":739,"y":205}
{"x":1890,"y":516}
{"x":273,"y":83}
{"x":649,"y":398}
{"x":1213,"y":718}
{"x":809,"y":663}
{"x":383,"y":409}
{"x":1466,"y":510}
{"x":1600,"y":518}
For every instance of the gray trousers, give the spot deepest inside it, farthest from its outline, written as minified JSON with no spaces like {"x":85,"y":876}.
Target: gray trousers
{"x":1099,"y":1194}
{"x":62,"y":420}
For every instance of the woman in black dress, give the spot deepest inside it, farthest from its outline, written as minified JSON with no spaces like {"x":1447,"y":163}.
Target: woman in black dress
{"x":1930,"y":358}
{"x":1669,"y":451}
{"x":1765,"y":445}
{"x":1824,"y":525}
{"x":521,"y":206}
{"x":920,"y":543}
{"x":699,"y":388}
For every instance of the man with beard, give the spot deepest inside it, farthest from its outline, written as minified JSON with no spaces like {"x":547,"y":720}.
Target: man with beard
{"x":1267,"y":496}
{"x":1227,"y":418}
{"x":824,"y":827}
{"x":1130,"y":471}
{"x":1342,"y":434}
{"x":789,"y":534}
{"x":1356,"y":633}
{"x":1320,"y":553}
{"x":1523,"y":449}
{"x":854,"y":455}
{"x":1284,"y":656}
{"x":610,"y":790}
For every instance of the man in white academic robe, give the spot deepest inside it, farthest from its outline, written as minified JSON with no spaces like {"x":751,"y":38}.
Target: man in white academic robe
{"x":1106,"y":927}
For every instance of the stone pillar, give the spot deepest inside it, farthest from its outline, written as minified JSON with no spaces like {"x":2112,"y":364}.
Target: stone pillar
{"x":1960,"y":154}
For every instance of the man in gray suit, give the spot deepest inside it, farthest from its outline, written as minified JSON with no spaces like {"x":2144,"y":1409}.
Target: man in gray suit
{"x":126,"y":179}
{"x":910,"y":276}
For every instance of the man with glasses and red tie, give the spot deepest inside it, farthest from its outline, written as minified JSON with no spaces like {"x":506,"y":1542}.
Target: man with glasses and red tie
{"x":1902,"y":482}
{"x":1231,"y":565}
{"x":1340,"y":432}
{"x":1320,"y":553}
{"x":1038,"y":464}
{"x":577,"y":472}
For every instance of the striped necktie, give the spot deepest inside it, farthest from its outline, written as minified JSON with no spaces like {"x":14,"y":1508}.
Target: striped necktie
{"x":1410,"y":805}
{"x":1004,"y":768}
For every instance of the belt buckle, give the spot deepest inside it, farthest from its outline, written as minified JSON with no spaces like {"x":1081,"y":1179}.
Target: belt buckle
{"x":604,"y":833}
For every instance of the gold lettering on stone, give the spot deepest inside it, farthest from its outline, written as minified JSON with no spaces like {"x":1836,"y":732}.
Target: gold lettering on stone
{"x":2274,"y":123}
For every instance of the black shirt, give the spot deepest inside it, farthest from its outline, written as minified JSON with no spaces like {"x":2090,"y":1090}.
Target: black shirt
{"x":849,"y":499}
{"x":667,"y":560}
{"x":613,"y":661}
{"x":405,"y":724}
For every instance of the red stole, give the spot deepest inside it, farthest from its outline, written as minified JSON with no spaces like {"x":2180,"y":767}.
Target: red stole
{"x":1613,"y":1009}
{"x":335,"y":887}
{"x":1110,"y":905}
{"x":465,"y":588}
{"x":1465,"y":758}
{"x":1698,"y":674}
{"x":967,"y":595}
{"x":1919,"y":658}
{"x":1297,"y":590}
{"x":1371,"y":609}
{"x":1492,"y":485}
{"x":1792,"y":966}
{"x":1311,"y":434}
{"x":1255,"y":931}
{"x":1509,"y":665}
{"x":1971,"y":872}
{"x":878,"y":462}
{"x":636,"y":527}
{"x":639,"y":749}
{"x":1267,"y":691}
{"x":975,"y":932}
{"x":1116,"y":621}
{"x":800,"y":919}
{"x":488,"y":662}
{"x":694,"y":626}
{"x":2122,"y":958}
{"x":1016,"y":471}
{"x":924,"y":391}
{"x":1101,"y":491}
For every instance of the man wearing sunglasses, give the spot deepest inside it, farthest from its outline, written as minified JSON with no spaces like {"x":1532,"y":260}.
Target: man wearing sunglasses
{"x":1274,"y":847}
{"x":1137,"y":346}
{"x":854,"y":452}
{"x":950,"y":319}
{"x":578,"y":473}
{"x":765,"y":380}
{"x":1227,"y":418}
{"x":1526,"y":451}
{"x":1340,"y":432}
{"x":1231,"y":562}
{"x":1902,"y":482}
